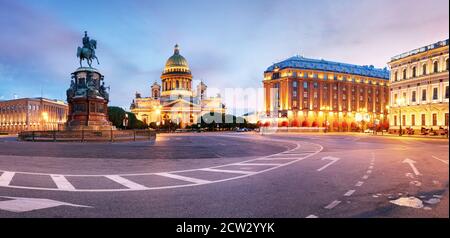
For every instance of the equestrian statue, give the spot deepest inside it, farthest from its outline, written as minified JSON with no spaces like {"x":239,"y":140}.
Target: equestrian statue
{"x":88,"y":51}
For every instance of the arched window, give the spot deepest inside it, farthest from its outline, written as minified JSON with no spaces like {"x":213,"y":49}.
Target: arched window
{"x":178,"y":84}
{"x":424,"y":69}
{"x":414,"y":73}
{"x":446,"y":64}
{"x":396,"y":76}
{"x":404,"y":73}
{"x":435,"y":67}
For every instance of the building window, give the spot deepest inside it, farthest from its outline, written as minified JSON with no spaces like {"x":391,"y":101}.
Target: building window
{"x":446,"y":92}
{"x":275,"y":75}
{"x":395,"y":98}
{"x":315,"y":95}
{"x":424,"y":94}
{"x":395,"y":120}
{"x":414,"y":74}
{"x":424,"y":69}
{"x":396,"y":76}
{"x":435,"y":93}
{"x":413,"y":120}
{"x":423,"y":120}
{"x":446,"y":119}
{"x":294,"y":103}
{"x":305,"y":94}
{"x":316,"y":85}
{"x":294,"y":93}
{"x":435,"y":67}
{"x":434,"y":119}
{"x":403,"y":120}
{"x":413,"y":96}
{"x":404,"y":73}
{"x":294,"y":84}
{"x":446,"y":64}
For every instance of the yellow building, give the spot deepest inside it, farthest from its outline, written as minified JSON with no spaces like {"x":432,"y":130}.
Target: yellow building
{"x":175,"y":101}
{"x":32,"y":114}
{"x":420,"y":88}
{"x":303,"y":92}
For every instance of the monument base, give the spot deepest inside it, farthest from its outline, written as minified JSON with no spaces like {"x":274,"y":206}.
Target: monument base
{"x":91,"y":128}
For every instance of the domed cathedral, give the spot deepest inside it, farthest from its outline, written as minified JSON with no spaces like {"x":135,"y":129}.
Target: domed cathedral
{"x":175,"y":101}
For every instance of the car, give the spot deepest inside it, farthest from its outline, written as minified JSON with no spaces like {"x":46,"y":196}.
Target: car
{"x":241,"y":129}
{"x":368,"y":131}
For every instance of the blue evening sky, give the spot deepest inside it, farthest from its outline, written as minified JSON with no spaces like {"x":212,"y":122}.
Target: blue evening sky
{"x":228,"y":43}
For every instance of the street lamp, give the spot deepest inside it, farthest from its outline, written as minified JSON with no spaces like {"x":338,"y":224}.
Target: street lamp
{"x":327,"y":109}
{"x":400,"y":101}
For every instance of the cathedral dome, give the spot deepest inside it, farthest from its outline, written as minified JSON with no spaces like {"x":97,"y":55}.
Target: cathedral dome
{"x":176,"y":63}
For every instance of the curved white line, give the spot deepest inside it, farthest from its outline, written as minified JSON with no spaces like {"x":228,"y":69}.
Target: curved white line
{"x":276,"y":166}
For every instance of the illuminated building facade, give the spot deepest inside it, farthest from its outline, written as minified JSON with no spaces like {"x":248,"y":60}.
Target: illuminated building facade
{"x":302,"y":92}
{"x":420,"y":88}
{"x":175,"y":101}
{"x":32,"y":114}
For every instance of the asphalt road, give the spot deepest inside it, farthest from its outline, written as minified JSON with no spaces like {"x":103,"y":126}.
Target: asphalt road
{"x":227,"y":175}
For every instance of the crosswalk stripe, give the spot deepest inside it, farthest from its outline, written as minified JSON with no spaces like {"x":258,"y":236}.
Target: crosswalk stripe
{"x":183,"y":178}
{"x":125,"y":182}
{"x":6,"y":178}
{"x":227,"y":171}
{"x":61,"y":182}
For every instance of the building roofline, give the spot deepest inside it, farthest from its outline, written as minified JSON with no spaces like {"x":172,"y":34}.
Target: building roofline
{"x":423,"y":49}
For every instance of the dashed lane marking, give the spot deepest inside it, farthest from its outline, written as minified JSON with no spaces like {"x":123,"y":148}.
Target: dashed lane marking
{"x":365,"y":177}
{"x":333,"y":204}
{"x":359,"y":184}
{"x":227,"y":171}
{"x":312,"y":216}
{"x":125,"y":182}
{"x":6,"y":178}
{"x":184,"y":178}
{"x":62,"y":183}
{"x":349,"y":193}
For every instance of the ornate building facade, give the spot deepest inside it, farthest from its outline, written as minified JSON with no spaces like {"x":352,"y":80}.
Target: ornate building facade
{"x":302,"y":92}
{"x":32,"y":114}
{"x":175,"y":101}
{"x":420,"y":88}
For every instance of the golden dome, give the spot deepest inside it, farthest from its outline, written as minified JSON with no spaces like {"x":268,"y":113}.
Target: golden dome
{"x":176,"y":63}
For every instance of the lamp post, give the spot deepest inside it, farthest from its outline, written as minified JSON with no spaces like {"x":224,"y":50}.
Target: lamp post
{"x":400,"y":101}
{"x":327,"y":108}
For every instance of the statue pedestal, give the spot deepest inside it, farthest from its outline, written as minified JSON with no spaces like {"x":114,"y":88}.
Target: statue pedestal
{"x":88,"y":101}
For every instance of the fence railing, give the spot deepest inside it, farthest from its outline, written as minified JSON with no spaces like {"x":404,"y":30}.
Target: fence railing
{"x":89,"y":135}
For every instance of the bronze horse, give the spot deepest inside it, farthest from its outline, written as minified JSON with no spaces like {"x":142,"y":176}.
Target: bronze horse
{"x":88,"y":53}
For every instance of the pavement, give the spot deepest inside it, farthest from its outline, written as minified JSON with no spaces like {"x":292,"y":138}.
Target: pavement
{"x":242,"y":175}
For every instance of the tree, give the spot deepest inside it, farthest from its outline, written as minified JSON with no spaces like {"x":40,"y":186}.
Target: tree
{"x":117,"y":114}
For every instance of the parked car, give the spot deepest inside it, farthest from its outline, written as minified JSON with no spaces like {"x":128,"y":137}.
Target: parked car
{"x":241,"y":129}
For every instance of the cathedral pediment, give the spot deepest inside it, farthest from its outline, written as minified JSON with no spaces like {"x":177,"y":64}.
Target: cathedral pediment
{"x":180,"y":104}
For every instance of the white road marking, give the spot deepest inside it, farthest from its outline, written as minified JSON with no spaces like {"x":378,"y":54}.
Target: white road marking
{"x":371,"y":167}
{"x":411,"y":164}
{"x":443,"y":161}
{"x":333,"y":160}
{"x":62,"y":183}
{"x":333,"y":204}
{"x":312,"y":216}
{"x":20,"y":204}
{"x":6,"y":178}
{"x":359,"y":184}
{"x":349,"y":193}
{"x":227,"y":171}
{"x":365,"y":177}
{"x":244,"y":174}
{"x":125,"y":182}
{"x":184,"y":178}
{"x":278,"y":158}
{"x":255,"y":164}
{"x":369,"y":171}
